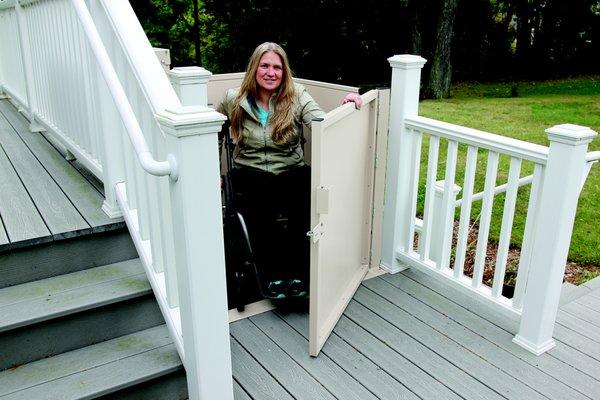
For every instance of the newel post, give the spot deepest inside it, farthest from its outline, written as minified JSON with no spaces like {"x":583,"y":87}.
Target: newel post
{"x":190,"y":84}
{"x":191,"y":135}
{"x":552,"y":234}
{"x":404,"y":102}
{"x":439,"y":227}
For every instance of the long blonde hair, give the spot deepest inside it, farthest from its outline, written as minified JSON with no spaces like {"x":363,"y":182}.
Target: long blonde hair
{"x":283,"y":116}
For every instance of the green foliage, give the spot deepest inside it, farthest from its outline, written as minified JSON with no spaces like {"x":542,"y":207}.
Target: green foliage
{"x":169,"y":24}
{"x":348,"y":41}
{"x":540,"y":105}
{"x":587,"y":275}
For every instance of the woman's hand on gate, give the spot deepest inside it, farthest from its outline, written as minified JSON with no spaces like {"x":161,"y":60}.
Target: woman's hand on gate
{"x":353,"y":98}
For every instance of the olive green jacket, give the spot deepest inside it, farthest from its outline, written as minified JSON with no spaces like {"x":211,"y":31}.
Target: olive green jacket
{"x":256,"y":149}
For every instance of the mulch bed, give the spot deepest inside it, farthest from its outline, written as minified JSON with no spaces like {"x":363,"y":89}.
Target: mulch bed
{"x":574,"y":273}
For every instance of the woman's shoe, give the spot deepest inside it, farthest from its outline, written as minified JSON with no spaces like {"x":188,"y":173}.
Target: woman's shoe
{"x":297,"y":288}
{"x":276,"y":290}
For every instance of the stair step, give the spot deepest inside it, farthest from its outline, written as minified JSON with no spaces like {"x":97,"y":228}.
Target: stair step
{"x":106,"y":245}
{"x":67,"y":294}
{"x":70,"y":311}
{"x":96,"y":370}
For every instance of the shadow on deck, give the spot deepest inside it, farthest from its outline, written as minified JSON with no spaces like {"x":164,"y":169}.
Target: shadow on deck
{"x":406,"y":336}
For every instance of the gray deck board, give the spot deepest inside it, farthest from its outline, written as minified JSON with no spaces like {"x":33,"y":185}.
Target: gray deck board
{"x":580,"y":325}
{"x":239,"y":393}
{"x":449,"y":369}
{"x":112,"y":376}
{"x":406,"y":337}
{"x":64,"y":365}
{"x":19,"y":215}
{"x":518,"y":369}
{"x":420,"y":382}
{"x":44,"y":288}
{"x":84,"y":196}
{"x":328,"y":373}
{"x":591,"y":301}
{"x":369,"y":374}
{"x":563,"y":362}
{"x":580,"y":312}
{"x":71,"y":301}
{"x":255,"y":380}
{"x":299,"y":383}
{"x":59,"y":214}
{"x":588,"y":350}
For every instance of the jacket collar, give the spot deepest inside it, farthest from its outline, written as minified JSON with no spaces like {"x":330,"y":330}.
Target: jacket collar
{"x":249,"y":105}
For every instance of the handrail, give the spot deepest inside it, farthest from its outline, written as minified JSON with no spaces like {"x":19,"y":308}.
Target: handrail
{"x":147,"y":161}
{"x":128,"y":31}
{"x":475,"y":137}
{"x":592,"y":156}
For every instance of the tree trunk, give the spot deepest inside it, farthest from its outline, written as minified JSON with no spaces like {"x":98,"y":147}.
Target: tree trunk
{"x":440,"y":75}
{"x":415,"y":27}
{"x":196,"y":34}
{"x":523,"y":36}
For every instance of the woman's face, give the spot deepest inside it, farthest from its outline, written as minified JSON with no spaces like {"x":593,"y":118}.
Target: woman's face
{"x":269,"y":72}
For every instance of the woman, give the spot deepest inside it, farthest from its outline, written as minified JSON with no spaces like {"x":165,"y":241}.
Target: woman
{"x":266,"y":115}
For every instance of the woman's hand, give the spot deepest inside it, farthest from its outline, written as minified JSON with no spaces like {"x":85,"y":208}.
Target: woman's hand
{"x":353,"y":98}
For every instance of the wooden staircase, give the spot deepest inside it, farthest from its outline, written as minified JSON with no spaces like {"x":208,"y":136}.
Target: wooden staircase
{"x":78,"y":319}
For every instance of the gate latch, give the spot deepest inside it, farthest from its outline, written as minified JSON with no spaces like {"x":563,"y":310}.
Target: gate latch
{"x":316,"y":232}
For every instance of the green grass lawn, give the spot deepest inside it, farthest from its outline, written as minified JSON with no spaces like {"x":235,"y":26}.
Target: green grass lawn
{"x":539,"y":105}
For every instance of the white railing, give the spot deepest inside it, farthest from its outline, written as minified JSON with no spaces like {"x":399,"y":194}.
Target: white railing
{"x":86,"y":74}
{"x":431,"y":244}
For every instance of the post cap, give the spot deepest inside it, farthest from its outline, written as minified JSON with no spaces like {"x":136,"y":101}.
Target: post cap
{"x":190,"y":120}
{"x":190,"y":75}
{"x":439,"y":187}
{"x":407,"y":61}
{"x":570,"y":134}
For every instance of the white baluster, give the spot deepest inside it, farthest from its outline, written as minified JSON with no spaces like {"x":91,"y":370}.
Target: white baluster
{"x":406,"y":77}
{"x":552,"y":234}
{"x":465,"y":212}
{"x":114,"y":149}
{"x":507,"y":224}
{"x":38,"y":69}
{"x":432,"y":165}
{"x":486,"y":217}
{"x":448,"y":206}
{"x":196,"y":208}
{"x":73,"y":125}
{"x":25,"y":44}
{"x":155,"y":228}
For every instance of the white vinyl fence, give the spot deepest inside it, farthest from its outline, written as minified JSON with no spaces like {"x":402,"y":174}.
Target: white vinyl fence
{"x":85,"y":73}
{"x":430,"y":244}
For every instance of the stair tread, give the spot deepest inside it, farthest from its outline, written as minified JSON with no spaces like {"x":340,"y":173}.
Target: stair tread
{"x":94,"y":370}
{"x":66,"y":294}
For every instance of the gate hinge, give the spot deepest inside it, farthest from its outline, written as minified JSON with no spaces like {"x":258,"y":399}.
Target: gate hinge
{"x":316,"y":232}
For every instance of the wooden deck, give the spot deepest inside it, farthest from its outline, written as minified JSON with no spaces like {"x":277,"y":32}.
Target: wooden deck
{"x":43,"y":197}
{"x":406,"y":336}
